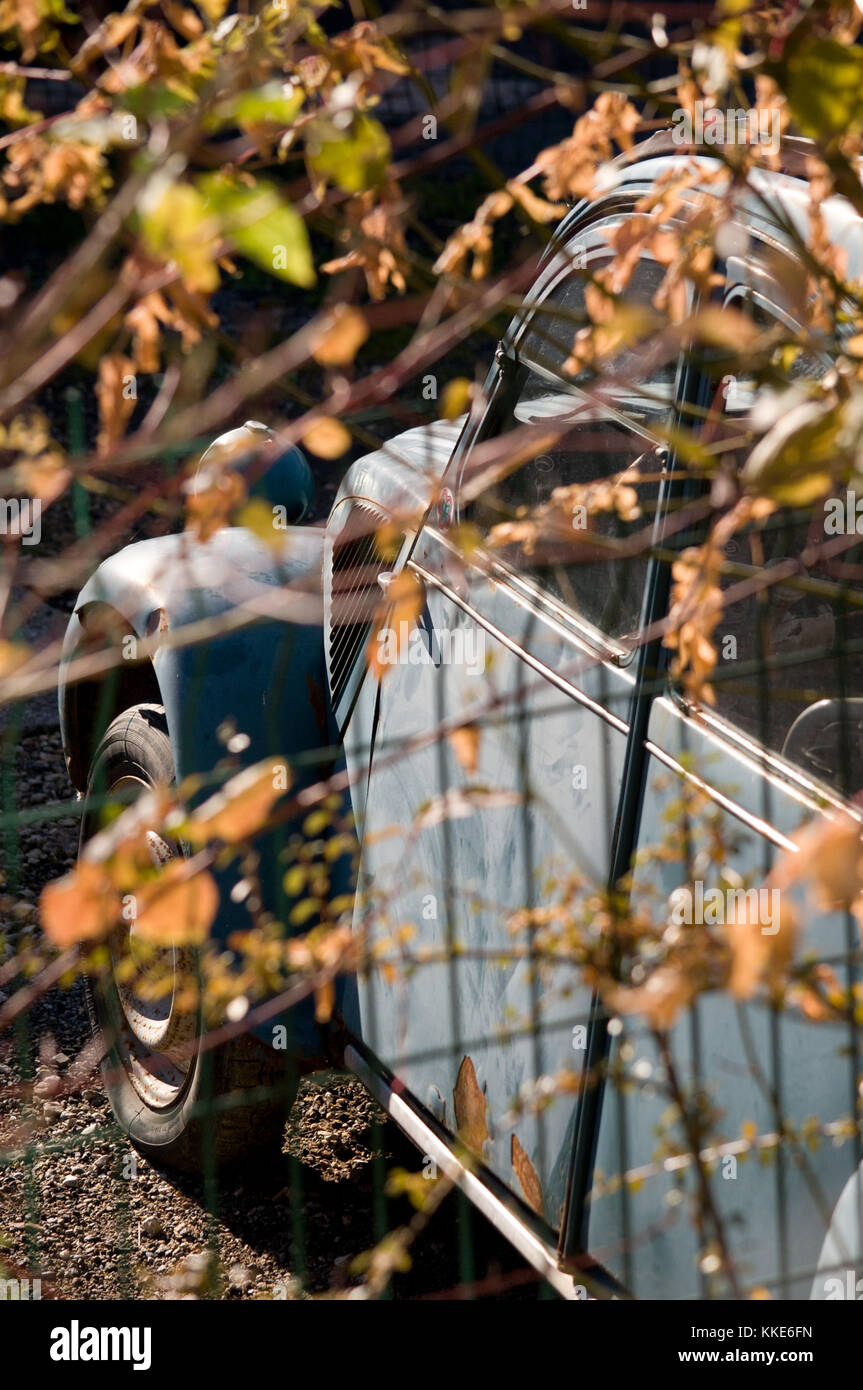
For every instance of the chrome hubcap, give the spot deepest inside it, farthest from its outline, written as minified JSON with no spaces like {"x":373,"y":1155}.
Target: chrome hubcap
{"x":156,"y":1027}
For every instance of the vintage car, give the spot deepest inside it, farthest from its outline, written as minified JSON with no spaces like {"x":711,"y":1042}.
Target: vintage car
{"x":577,"y":750}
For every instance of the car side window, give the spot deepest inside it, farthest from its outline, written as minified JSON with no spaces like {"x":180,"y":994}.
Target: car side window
{"x":573,"y":466}
{"x":790,"y":650}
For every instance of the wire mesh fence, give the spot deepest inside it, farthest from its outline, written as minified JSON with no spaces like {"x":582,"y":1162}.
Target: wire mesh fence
{"x":505,"y":795}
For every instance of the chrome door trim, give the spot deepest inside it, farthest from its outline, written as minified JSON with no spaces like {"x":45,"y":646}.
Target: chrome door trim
{"x":529,"y":594}
{"x":537,"y":1253}
{"x":756,"y":823}
{"x":527,"y":657}
{"x":810,"y":794}
{"x":564,"y":618}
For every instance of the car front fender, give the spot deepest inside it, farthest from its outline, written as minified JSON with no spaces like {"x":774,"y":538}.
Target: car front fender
{"x":235,"y":633}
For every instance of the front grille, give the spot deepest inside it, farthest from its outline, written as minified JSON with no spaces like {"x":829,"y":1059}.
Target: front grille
{"x":356,"y":564}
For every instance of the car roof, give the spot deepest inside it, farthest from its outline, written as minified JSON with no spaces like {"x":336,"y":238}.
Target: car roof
{"x":786,"y":188}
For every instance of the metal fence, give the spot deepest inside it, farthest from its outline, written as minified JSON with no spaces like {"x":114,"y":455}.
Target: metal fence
{"x":540,"y":819}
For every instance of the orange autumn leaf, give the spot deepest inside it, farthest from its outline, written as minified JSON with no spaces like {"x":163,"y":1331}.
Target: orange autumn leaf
{"x":213,"y":497}
{"x":470,"y":1108}
{"x":325,"y":999}
{"x":115,"y":392}
{"x":569,"y":168}
{"x":830,"y":857}
{"x":125,"y":849}
{"x":178,"y":907}
{"x":659,"y":1000}
{"x":404,"y":601}
{"x":527,"y":1176}
{"x":696,"y":604}
{"x":83,"y":905}
{"x":145,"y":319}
{"x":465,"y":745}
{"x":327,"y":438}
{"x":759,"y":955}
{"x":13,"y":655}
{"x":379,"y":248}
{"x":341,"y":338}
{"x":534,"y":206}
{"x":242,"y":806}
{"x":474,"y":239}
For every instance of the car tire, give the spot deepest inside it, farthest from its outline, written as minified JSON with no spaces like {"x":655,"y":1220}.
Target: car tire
{"x":182,"y":1107}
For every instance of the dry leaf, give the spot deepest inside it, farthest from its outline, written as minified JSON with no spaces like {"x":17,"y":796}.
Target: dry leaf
{"x":474,"y":239}
{"x":725,"y":328}
{"x":212,"y":498}
{"x":81,"y":906}
{"x":470,"y":1108}
{"x":457,"y":804}
{"x":534,"y":206}
{"x":325,"y":999}
{"x":327,"y":438}
{"x":44,"y":476}
{"x":659,"y":1000}
{"x":569,"y":168}
{"x":116,"y":394}
{"x":465,"y":745}
{"x":123,"y":849}
{"x":830,"y":856}
{"x":404,"y":602}
{"x":696,"y":606}
{"x":456,"y":397}
{"x":342,"y":338}
{"x":756,"y":955}
{"x":178,"y":907}
{"x":242,"y":806}
{"x":527,"y":1176}
{"x":13,"y":655}
{"x":380,"y":248}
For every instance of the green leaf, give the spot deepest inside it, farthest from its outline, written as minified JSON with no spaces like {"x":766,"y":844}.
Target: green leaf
{"x":797,"y":460}
{"x":824,"y":85}
{"x":57,"y":10}
{"x":304,"y":911}
{"x":275,"y":103}
{"x":262,"y":227}
{"x":179,"y":228}
{"x":353,"y":159}
{"x":213,"y":9}
{"x":151,"y":100}
{"x":295,"y":880}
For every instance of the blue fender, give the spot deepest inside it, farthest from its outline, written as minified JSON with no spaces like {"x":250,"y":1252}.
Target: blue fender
{"x":268,"y":679}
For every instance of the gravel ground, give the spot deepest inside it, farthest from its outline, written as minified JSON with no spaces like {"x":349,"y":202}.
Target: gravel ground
{"x":100,"y":1222}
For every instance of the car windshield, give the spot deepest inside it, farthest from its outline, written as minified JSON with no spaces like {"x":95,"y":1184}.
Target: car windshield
{"x":563,"y":482}
{"x":573,"y":501}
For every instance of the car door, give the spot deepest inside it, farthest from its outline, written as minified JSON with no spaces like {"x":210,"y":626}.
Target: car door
{"x":499,"y":753}
{"x":779,"y":1089}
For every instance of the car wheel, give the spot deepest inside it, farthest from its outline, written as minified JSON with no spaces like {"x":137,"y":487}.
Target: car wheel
{"x":183,"y":1106}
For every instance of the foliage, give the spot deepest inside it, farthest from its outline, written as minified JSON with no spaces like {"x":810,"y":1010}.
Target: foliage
{"x":212,"y":153}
